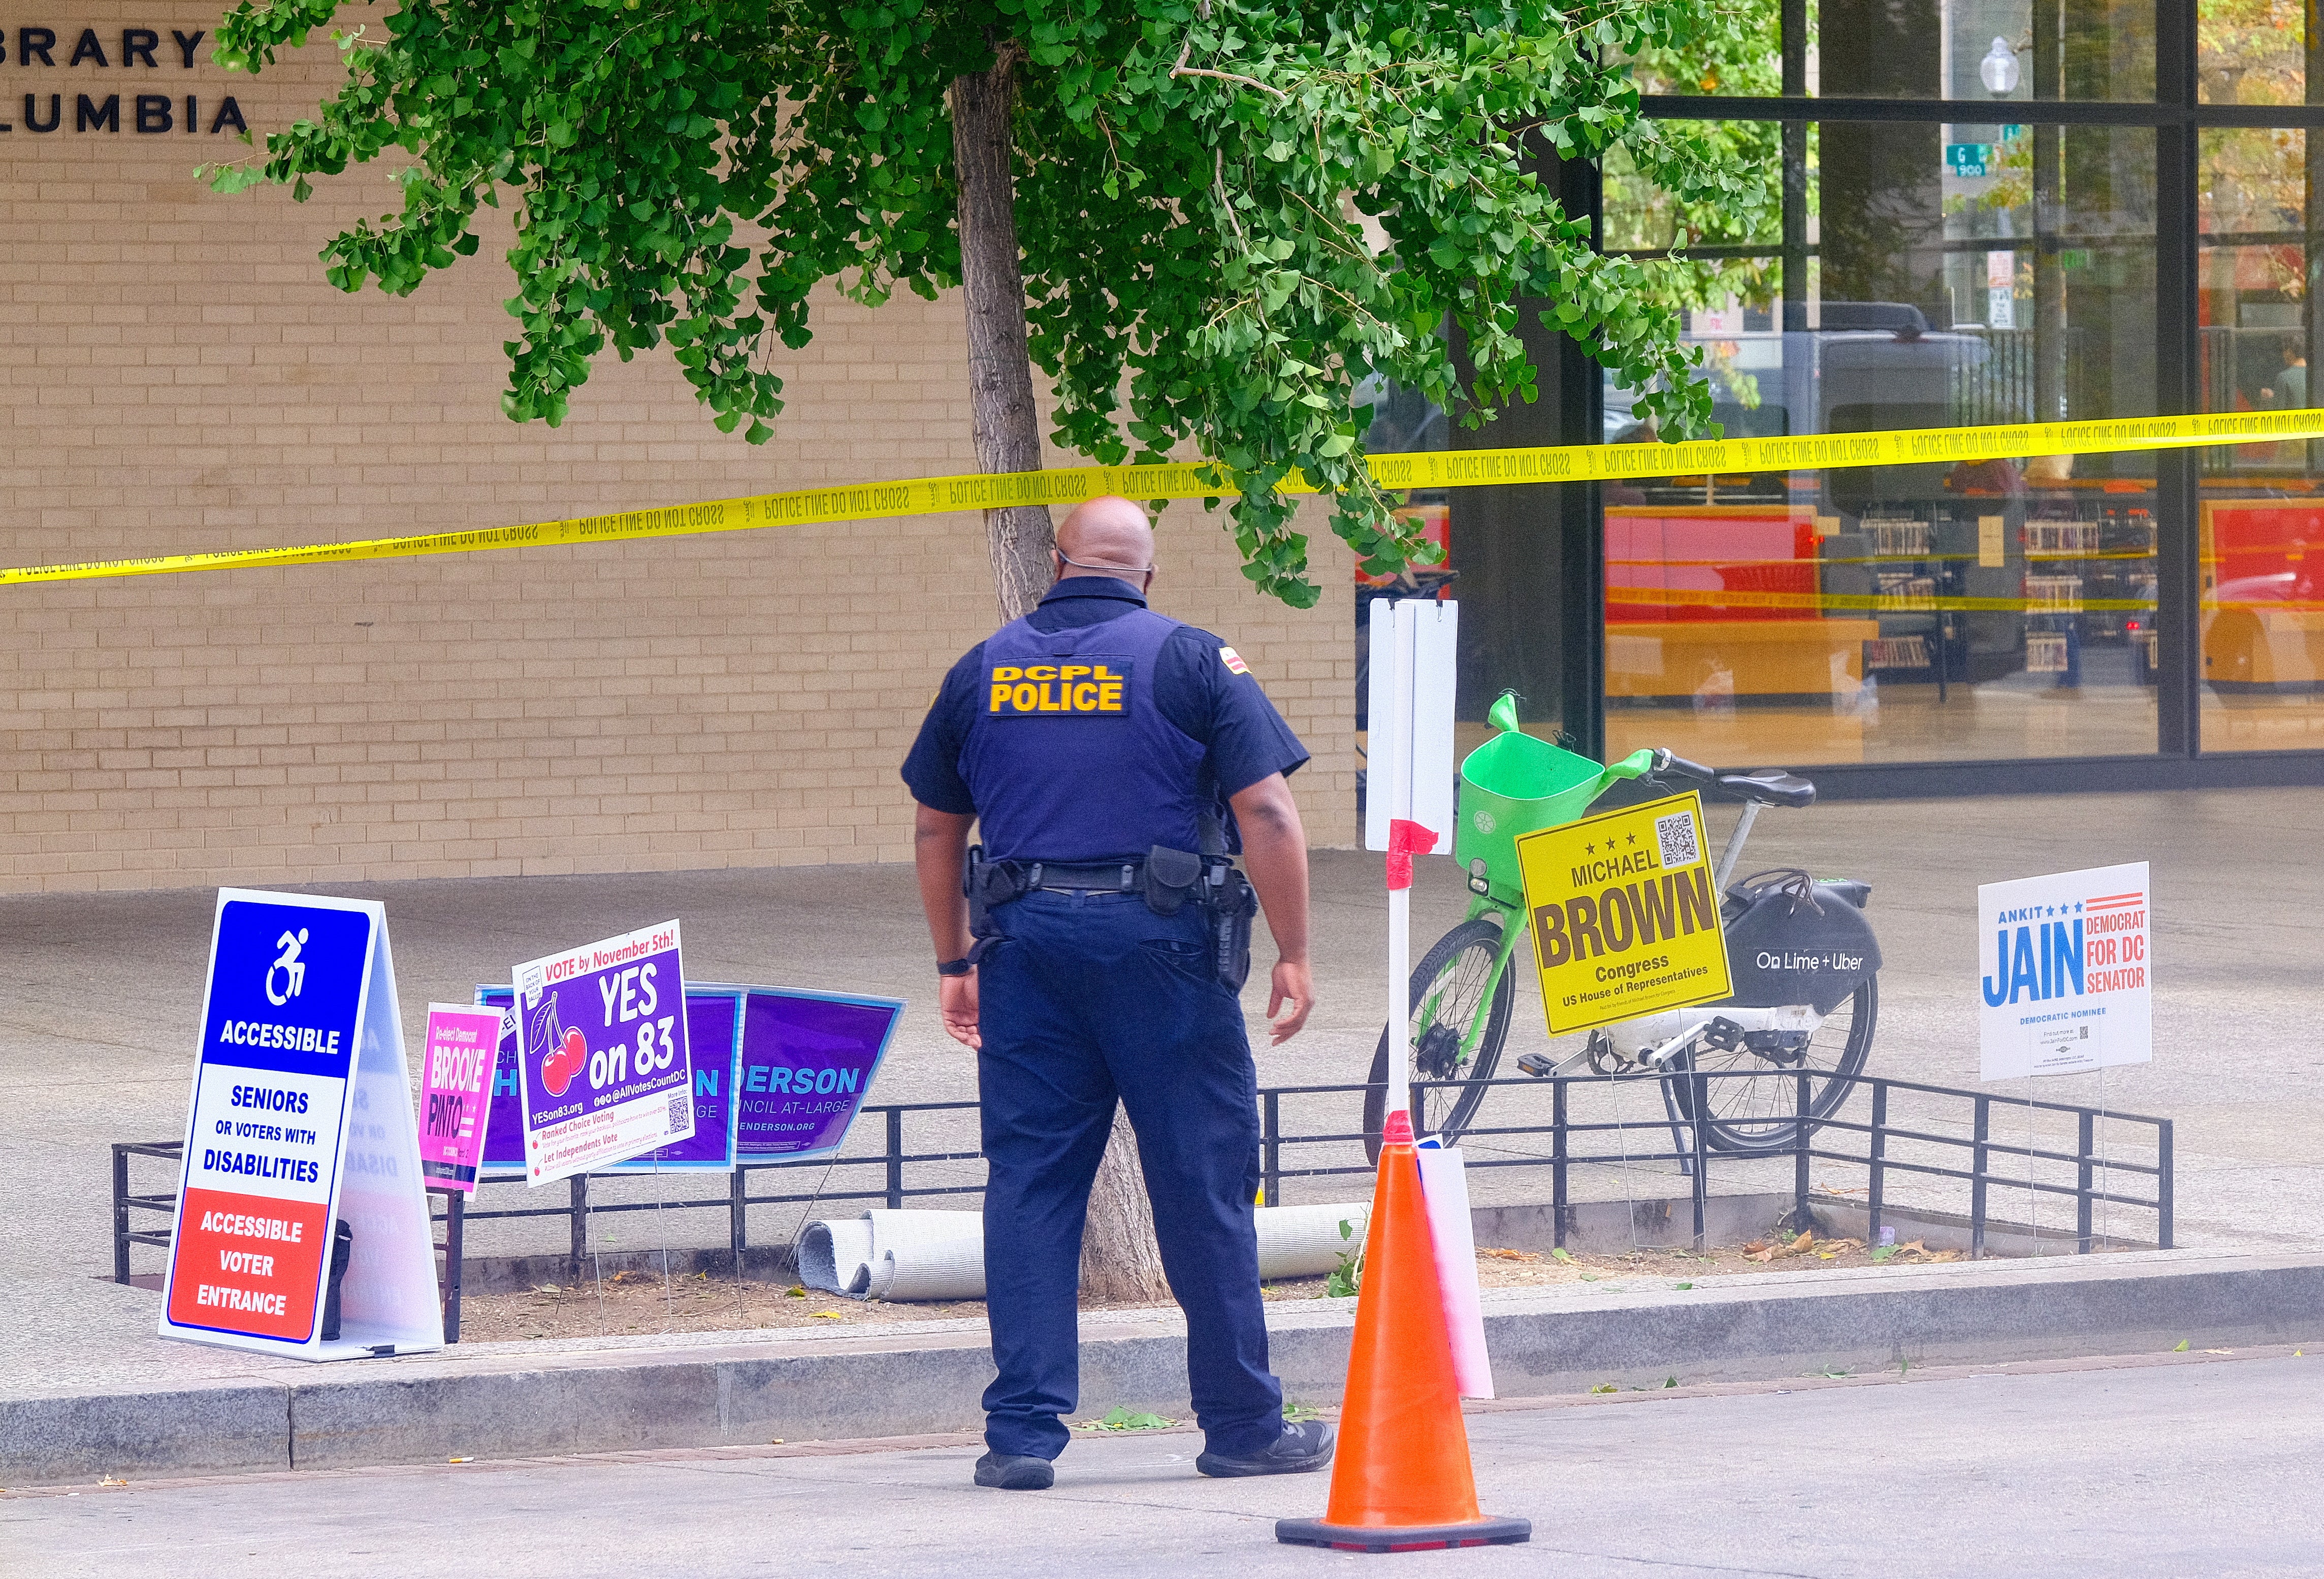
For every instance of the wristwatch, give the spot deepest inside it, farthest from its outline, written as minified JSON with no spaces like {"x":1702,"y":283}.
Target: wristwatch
{"x":960,"y":967}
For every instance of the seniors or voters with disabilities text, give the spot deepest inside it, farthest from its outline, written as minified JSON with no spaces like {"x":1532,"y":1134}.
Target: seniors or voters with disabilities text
{"x":1091,"y":949}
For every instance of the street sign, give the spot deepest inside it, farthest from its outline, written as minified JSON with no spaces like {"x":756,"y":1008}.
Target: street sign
{"x":1624,"y":914}
{"x":2065,"y":973}
{"x":301,"y":1158}
{"x":1969,"y":161}
{"x":603,"y":1071}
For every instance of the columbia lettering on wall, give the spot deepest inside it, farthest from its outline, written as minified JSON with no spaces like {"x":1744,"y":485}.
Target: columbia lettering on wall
{"x":138,"y":49}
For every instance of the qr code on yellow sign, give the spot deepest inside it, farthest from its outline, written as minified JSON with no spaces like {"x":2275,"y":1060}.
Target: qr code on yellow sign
{"x":1624,"y":915}
{"x":1676,"y":835}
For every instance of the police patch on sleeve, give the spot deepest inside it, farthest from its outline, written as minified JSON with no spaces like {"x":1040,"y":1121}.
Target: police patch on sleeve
{"x":1090,"y":687}
{"x":1233,"y":660}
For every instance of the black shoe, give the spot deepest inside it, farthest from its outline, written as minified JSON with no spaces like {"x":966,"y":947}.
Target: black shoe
{"x":1305,"y":1446}
{"x":1015,"y":1472}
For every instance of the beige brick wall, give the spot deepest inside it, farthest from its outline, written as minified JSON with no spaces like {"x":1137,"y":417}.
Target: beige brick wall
{"x":177,"y":374}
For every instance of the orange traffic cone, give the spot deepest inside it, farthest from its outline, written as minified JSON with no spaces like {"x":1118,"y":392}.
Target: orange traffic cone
{"x":1401,"y":1481}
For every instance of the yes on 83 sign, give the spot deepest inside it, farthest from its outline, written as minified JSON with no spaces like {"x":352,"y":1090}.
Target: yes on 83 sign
{"x":1623,"y":915}
{"x":603,"y":1066}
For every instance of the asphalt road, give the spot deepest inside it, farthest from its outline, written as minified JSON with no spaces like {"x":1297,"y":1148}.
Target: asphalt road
{"x":2193,"y":1465}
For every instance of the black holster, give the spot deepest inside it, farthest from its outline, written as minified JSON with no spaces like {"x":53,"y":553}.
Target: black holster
{"x":1231,"y":903}
{"x":1173,"y":876}
{"x":989,"y":884}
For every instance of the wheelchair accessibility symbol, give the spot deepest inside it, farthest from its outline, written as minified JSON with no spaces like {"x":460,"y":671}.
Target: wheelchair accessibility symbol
{"x":292,"y":968}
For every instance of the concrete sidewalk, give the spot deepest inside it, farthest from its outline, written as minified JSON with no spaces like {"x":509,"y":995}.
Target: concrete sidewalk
{"x":178,"y":1409}
{"x":2194,"y":1464}
{"x":97,"y":1023}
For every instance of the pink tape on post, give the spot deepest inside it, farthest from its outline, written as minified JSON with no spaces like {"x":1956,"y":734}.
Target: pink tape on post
{"x":1406,"y":839}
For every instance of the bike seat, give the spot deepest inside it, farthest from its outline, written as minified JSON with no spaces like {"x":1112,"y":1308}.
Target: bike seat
{"x":1770,"y":787}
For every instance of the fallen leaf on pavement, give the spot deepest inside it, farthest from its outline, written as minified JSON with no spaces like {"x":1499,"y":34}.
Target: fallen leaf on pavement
{"x":1799,"y":1246}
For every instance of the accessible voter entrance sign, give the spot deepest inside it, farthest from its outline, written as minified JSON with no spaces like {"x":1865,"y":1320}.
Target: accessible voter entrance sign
{"x":301,"y":1123}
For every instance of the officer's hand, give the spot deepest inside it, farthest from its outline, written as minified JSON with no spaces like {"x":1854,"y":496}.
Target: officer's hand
{"x":1293,"y":984}
{"x":956,"y":998}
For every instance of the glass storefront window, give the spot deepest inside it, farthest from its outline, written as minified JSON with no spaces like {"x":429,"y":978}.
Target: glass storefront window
{"x":2251,"y":51}
{"x":2003,"y":49}
{"x":2262,"y":526}
{"x":1910,"y":613}
{"x":2003,"y":612}
{"x":1738,"y":52}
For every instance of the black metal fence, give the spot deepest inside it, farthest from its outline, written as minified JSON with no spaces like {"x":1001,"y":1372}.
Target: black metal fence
{"x":1892,"y":1130}
{"x":1887,"y":1148}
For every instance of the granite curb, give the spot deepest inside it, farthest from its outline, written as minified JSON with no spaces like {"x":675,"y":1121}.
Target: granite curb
{"x":518,"y":1400}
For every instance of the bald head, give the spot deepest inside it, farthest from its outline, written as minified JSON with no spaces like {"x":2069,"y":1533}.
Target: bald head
{"x":1106,"y":536}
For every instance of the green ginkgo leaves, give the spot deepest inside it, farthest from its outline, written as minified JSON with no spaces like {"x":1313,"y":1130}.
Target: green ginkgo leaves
{"x":1233,"y":214}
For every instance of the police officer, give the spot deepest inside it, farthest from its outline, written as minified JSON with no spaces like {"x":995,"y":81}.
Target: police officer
{"x":1112,"y":758}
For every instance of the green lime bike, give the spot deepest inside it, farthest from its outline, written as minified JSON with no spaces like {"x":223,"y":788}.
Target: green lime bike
{"x":1779,"y":1023}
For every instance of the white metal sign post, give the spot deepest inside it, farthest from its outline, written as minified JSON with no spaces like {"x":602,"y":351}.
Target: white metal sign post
{"x":1408,"y":787}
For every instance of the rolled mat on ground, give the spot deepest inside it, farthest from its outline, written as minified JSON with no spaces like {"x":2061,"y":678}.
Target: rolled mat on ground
{"x":940,"y":1255}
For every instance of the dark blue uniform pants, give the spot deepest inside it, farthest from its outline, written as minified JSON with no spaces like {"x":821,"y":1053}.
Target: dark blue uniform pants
{"x":1091,"y":997}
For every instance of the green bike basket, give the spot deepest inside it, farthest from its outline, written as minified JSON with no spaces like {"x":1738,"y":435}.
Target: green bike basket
{"x":1515,"y":784}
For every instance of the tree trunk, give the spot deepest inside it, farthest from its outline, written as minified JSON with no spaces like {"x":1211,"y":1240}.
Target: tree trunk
{"x":1120,"y":1261}
{"x":1000,"y":370}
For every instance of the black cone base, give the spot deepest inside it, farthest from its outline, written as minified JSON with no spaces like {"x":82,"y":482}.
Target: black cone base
{"x":1488,"y":1531}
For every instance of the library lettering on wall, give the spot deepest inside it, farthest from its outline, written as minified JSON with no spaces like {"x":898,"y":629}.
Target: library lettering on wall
{"x":100,"y":74}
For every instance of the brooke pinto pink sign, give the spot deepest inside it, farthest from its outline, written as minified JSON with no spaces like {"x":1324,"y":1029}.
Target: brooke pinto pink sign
{"x":456,"y":1093}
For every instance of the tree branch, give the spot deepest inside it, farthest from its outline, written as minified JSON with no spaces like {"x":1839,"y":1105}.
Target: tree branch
{"x":1281,"y":96}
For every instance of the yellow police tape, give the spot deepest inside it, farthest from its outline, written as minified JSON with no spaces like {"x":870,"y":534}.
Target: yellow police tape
{"x":1432,"y":469}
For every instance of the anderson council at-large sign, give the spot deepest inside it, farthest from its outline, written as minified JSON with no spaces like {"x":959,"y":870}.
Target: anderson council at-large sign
{"x":136,"y":50}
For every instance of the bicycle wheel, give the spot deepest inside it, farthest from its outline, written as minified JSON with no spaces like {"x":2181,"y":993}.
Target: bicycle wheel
{"x":1448,"y":994}
{"x":1754,"y":1107}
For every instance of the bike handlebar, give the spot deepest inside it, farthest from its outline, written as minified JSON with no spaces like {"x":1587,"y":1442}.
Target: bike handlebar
{"x":1667,"y":762}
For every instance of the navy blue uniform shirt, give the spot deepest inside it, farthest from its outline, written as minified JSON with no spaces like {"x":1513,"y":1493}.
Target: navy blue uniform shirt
{"x":1244,"y":739}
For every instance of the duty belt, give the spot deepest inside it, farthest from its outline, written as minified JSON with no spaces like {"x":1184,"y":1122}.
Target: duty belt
{"x":1165,"y":878}
{"x":1100,"y":876}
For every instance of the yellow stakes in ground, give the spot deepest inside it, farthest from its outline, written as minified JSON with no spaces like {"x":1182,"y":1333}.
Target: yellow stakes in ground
{"x":1624,"y":914}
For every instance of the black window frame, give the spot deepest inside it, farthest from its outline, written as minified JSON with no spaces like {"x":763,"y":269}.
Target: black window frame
{"x":2178,"y":117}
